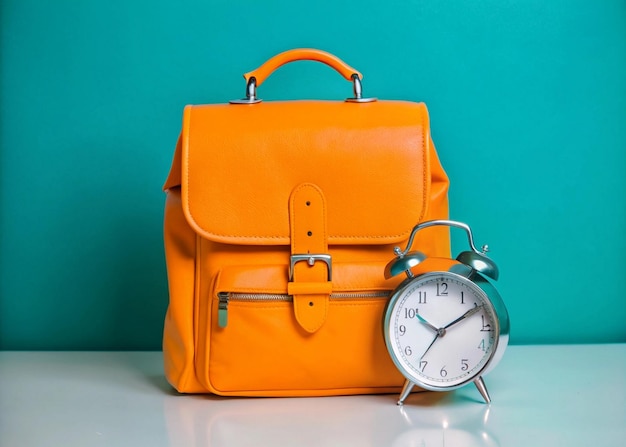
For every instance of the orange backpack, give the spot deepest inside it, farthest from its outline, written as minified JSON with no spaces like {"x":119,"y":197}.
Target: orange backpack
{"x":279,"y":220}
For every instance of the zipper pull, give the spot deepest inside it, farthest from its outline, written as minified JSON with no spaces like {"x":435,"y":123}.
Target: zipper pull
{"x":222,"y":309}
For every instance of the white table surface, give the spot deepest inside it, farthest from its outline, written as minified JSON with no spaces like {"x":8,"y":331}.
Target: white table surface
{"x":570,"y":395}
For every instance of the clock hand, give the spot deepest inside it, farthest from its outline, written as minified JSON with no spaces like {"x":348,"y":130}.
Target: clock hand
{"x":467,"y":314}
{"x":440,"y":333}
{"x":430,"y":345}
{"x":419,"y":317}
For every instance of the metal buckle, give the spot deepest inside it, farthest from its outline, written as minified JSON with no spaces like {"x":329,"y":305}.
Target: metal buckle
{"x":311,"y":259}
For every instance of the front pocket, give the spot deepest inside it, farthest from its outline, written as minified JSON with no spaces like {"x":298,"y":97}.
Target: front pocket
{"x":256,"y":347}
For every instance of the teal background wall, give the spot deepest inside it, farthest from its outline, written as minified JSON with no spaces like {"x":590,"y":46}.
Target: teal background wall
{"x":528,"y":108}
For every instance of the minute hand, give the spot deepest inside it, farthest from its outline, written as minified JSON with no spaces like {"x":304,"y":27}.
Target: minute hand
{"x":467,"y":314}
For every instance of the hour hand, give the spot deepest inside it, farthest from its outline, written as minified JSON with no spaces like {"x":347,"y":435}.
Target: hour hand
{"x":423,"y":320}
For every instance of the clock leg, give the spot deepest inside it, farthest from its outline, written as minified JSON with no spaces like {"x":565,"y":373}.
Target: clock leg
{"x":482,"y":389}
{"x":406,"y":390}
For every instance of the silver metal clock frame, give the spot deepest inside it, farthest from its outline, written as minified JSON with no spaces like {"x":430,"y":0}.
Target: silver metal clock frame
{"x":471,"y":268}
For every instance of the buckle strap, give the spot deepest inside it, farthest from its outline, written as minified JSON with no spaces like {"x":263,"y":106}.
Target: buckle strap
{"x":309,"y":288}
{"x":309,"y":280}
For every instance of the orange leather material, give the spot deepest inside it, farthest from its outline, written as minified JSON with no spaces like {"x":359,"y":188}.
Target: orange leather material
{"x":265,"y":352}
{"x":301,"y":54}
{"x":291,"y":358}
{"x":310,"y":284}
{"x":235,"y":215}
{"x":240,"y":164}
{"x":180,"y":252}
{"x":297,"y":289}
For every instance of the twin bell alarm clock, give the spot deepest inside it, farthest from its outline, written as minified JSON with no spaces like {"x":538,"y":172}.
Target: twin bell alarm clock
{"x":447,"y":327}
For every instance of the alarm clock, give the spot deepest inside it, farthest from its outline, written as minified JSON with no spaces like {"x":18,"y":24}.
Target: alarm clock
{"x":445,"y":327}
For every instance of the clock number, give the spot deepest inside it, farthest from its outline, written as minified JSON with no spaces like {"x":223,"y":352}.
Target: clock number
{"x":443,"y":372}
{"x":486,"y":327}
{"x":442,"y":289}
{"x":423,"y":364}
{"x":410,"y":313}
{"x":462,"y":297}
{"x":402,"y":329}
{"x":422,"y":297}
{"x":408,"y":351}
{"x":464,"y":365}
{"x":481,"y":346}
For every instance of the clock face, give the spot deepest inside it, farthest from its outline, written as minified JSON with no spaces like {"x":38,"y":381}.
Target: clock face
{"x":441,"y":330}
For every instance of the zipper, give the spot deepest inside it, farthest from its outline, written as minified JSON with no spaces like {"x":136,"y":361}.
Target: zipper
{"x":225,"y":297}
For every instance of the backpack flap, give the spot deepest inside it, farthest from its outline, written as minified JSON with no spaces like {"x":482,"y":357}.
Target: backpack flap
{"x":238,"y":166}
